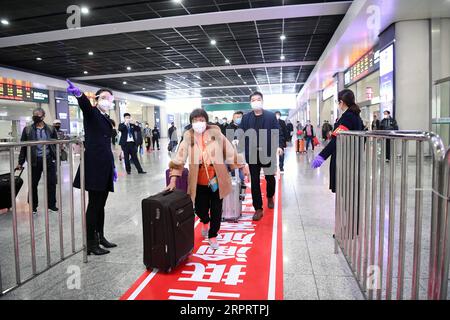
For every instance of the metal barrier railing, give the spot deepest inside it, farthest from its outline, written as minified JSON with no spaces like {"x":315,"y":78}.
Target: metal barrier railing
{"x":11,"y":147}
{"x":364,"y":222}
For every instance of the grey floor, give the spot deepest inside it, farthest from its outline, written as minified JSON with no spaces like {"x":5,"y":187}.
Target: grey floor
{"x":311,"y":270}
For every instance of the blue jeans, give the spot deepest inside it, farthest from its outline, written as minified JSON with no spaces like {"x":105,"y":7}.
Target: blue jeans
{"x":309,"y":140}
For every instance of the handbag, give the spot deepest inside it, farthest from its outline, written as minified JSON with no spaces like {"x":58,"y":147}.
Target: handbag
{"x":316,"y":141}
{"x":213,"y":183}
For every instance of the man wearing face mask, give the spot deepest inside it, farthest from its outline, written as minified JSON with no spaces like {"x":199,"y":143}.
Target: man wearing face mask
{"x":223,"y":126}
{"x":130,"y":139}
{"x":99,"y":171}
{"x":37,"y":131}
{"x":261,"y":154}
{"x":230,"y":131}
{"x":283,"y":131}
{"x":388,"y":123}
{"x":57,"y":126}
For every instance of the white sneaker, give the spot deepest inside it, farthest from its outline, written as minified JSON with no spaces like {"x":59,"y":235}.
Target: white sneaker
{"x":214,"y":245}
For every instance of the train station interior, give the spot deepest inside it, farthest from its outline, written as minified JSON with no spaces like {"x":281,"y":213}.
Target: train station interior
{"x":357,"y":94}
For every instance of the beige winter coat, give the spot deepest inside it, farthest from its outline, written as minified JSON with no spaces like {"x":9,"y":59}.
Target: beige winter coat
{"x":219,"y":152}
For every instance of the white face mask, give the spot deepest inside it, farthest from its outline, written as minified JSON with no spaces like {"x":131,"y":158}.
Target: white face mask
{"x":199,"y":127}
{"x":278,"y":117}
{"x":104,"y":105}
{"x":256,"y":105}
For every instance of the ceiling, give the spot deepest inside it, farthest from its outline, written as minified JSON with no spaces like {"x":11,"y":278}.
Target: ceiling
{"x":252,"y":46}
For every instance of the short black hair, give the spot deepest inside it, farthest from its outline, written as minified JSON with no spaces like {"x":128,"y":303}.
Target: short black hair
{"x":99,"y":91}
{"x":239,"y":112}
{"x":198,"y":113}
{"x":278,"y":112}
{"x":256,"y":93}
{"x":126,"y":114}
{"x":387,"y":111}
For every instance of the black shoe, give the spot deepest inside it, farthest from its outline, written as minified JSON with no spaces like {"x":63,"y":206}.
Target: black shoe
{"x":334,"y":237}
{"x":142,"y":172}
{"x":106,"y":243}
{"x":54,"y":208}
{"x":270,"y":203}
{"x":96,"y":250}
{"x":128,"y":172}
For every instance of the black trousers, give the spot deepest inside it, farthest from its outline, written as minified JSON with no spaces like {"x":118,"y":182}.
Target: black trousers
{"x":155,"y":140}
{"x":388,"y":149}
{"x":51,"y":181}
{"x":95,"y":214}
{"x":255,"y":170}
{"x":208,"y":207}
{"x":130,"y":150}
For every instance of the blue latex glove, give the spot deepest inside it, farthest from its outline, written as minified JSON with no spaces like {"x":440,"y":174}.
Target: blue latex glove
{"x":115,"y":175}
{"x":317,"y":162}
{"x":72,"y":89}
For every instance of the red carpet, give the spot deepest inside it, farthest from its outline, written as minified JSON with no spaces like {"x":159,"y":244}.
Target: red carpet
{"x":247,"y":266}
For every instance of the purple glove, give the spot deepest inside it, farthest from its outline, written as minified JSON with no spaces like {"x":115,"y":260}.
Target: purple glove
{"x":115,"y":175}
{"x":73,"y":90}
{"x":317,"y":162}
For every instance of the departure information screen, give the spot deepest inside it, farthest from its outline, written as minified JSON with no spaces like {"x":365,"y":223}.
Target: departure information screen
{"x":363,"y":67}
{"x":18,"y":90}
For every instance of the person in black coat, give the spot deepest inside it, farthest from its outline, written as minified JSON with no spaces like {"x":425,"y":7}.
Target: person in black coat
{"x":290,"y":128}
{"x":130,"y":139}
{"x":155,"y":137}
{"x":285,"y":132}
{"x":257,"y":125}
{"x":388,"y":123}
{"x":349,"y":121}
{"x":99,"y":169}
{"x":39,"y":130}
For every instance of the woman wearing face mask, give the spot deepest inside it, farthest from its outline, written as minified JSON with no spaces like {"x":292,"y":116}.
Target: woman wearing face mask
{"x":349,"y":121}
{"x":209,"y":153}
{"x":100,"y":172}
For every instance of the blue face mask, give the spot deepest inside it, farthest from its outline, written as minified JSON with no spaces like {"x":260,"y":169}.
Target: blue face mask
{"x":238,"y":121}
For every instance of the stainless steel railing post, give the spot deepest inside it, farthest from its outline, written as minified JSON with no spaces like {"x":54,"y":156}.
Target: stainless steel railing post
{"x":30,"y":209}
{"x":83,"y":203}
{"x":382,"y":217}
{"x":47,"y":218}
{"x":351,"y":199}
{"x":403,"y":220}
{"x":12,"y":176}
{"x":391,"y":220}
{"x":417,"y":223}
{"x":444,"y":252}
{"x":60,"y":217}
{"x":338,"y":195}
{"x":71,"y":200}
{"x":362,"y":191}
{"x":367,"y":211}
{"x":373,"y":215}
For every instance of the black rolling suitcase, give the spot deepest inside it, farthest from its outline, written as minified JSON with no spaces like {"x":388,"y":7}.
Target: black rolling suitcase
{"x":5,"y":189}
{"x":168,"y":225}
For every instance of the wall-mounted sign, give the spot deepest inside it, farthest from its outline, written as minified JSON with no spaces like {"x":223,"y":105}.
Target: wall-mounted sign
{"x":329,"y":91}
{"x":62,"y":116}
{"x":39,"y":95}
{"x":369,"y":63}
{"x":387,"y":79}
{"x":18,"y":90}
